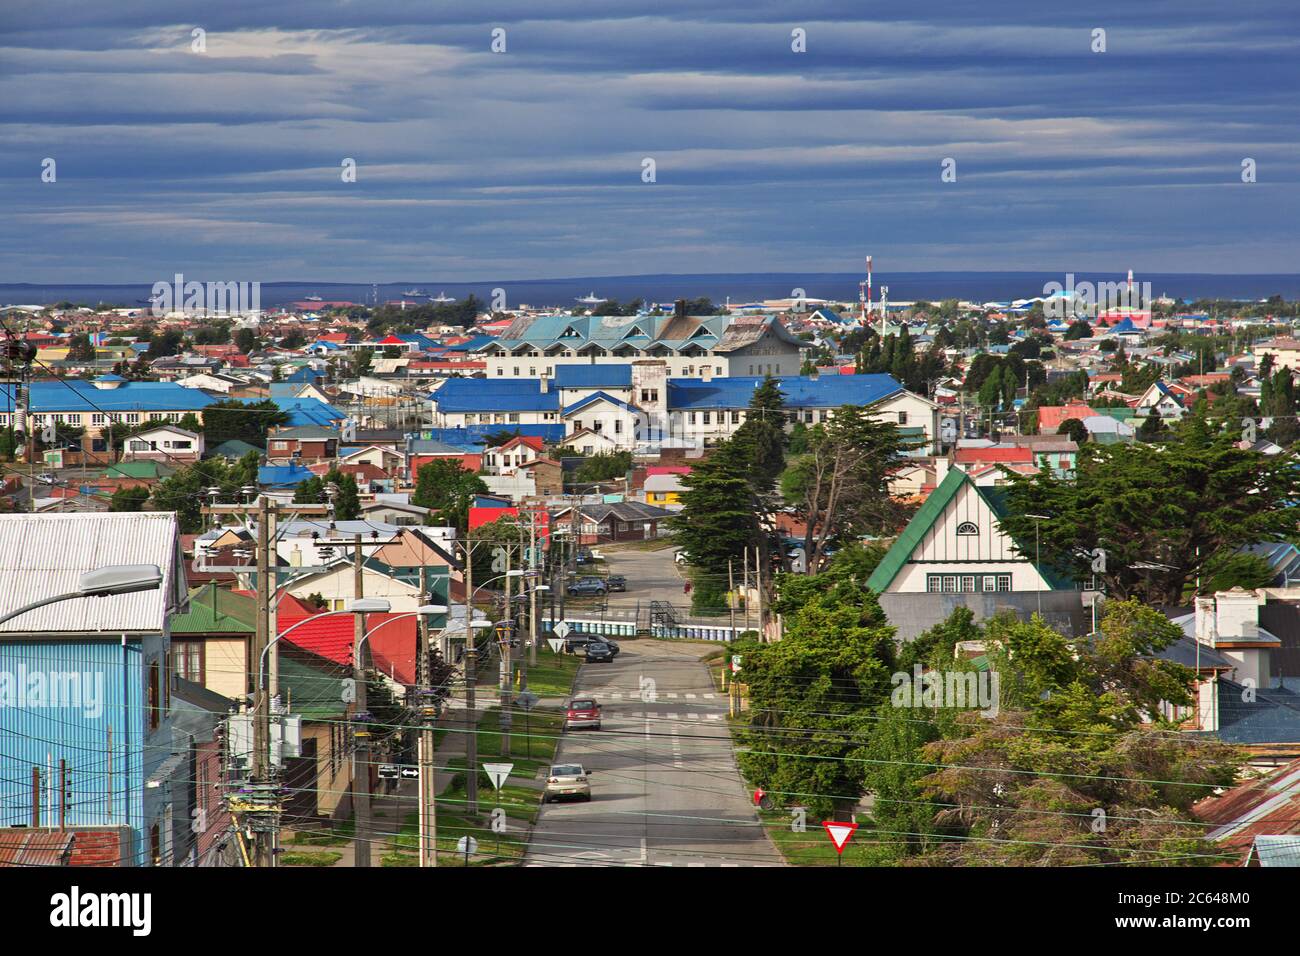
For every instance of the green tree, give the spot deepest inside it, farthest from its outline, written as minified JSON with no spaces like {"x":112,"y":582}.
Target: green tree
{"x":1158,"y":512}
{"x":247,"y":421}
{"x":604,"y":466}
{"x":246,"y":341}
{"x":129,"y":499}
{"x":447,"y":490}
{"x":80,"y":348}
{"x":1073,"y":429}
{"x":761,"y":437}
{"x":720,"y":514}
{"x":186,"y":491}
{"x":813,"y":696}
{"x":840,"y":487}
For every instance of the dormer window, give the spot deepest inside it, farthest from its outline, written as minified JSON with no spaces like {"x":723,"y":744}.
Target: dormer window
{"x":968,"y":528}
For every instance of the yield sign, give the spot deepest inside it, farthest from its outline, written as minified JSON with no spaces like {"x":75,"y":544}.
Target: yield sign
{"x":557,"y":644}
{"x":839,"y":833}
{"x":561,"y":630}
{"x":497,"y":772}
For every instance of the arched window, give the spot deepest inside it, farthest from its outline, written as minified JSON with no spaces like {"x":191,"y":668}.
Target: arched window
{"x":968,"y":527}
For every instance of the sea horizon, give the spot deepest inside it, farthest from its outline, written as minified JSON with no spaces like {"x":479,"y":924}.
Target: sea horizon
{"x":737,"y":288}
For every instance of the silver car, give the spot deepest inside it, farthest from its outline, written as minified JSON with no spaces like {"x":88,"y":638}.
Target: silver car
{"x":567,"y":780}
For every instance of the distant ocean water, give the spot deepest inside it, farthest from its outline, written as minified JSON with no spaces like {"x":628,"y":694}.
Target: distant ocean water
{"x":738,"y":287}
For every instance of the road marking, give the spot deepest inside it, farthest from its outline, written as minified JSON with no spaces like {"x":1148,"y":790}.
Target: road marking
{"x":671,"y":696}
{"x":714,"y":716}
{"x":690,"y":696}
{"x":692,"y":716}
{"x":644,"y":857}
{"x":710,"y":696}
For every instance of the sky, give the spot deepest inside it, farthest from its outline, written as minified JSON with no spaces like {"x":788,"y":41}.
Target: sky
{"x":226,"y":163}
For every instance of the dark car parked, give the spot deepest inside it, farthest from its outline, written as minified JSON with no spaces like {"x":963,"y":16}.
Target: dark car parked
{"x":616,"y":582}
{"x":599,"y":651}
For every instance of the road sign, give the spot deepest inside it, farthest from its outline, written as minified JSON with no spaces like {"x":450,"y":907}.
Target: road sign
{"x":497,"y":772}
{"x":527,"y":700}
{"x":735,"y":663}
{"x":410,"y":772}
{"x":557,"y":644}
{"x":388,"y":771}
{"x":561,"y":630}
{"x":466,"y":845}
{"x":839,"y":832}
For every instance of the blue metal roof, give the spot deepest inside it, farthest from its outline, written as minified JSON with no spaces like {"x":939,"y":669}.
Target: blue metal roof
{"x":827,"y":391}
{"x":473,"y":345}
{"x":77,"y":395}
{"x":304,"y":374}
{"x":473,"y":435}
{"x":604,"y":375}
{"x":594,"y":397}
{"x":281,"y":475}
{"x":487,"y":395}
{"x":306,"y":411}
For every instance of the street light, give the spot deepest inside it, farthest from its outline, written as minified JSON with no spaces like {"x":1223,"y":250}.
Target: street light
{"x":102,"y":582}
{"x":1037,"y":560}
{"x":356,"y":606}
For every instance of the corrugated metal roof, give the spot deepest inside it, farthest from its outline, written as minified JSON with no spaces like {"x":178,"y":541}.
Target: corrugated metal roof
{"x":26,"y":847}
{"x":45,"y":555}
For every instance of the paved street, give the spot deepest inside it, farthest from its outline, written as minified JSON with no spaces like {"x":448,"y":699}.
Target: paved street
{"x":665,"y":790}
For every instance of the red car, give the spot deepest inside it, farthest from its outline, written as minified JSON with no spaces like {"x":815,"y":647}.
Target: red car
{"x":582,"y":712}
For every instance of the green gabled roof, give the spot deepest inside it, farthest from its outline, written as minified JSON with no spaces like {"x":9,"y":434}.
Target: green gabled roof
{"x":235,"y":448}
{"x":137,"y":469}
{"x":921,"y":522}
{"x":214,"y":610}
{"x":311,"y":685}
{"x":929,"y":513}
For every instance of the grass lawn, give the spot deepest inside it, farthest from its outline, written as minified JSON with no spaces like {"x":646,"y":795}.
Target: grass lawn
{"x":327,"y":858}
{"x":552,"y":675}
{"x":492,"y":848}
{"x":543,"y":726}
{"x":320,"y":838}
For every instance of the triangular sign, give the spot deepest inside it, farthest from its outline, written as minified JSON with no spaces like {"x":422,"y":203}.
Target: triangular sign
{"x":497,"y":772}
{"x":839,"y":833}
{"x":557,"y":644}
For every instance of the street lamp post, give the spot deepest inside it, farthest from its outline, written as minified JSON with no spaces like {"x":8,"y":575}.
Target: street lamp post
{"x":1038,"y":568}
{"x":101,"y":582}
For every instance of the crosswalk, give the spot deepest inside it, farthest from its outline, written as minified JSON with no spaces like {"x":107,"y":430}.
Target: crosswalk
{"x":636,"y":695}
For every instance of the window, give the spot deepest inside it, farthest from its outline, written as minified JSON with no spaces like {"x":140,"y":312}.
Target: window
{"x":708,"y":418}
{"x":968,"y":583}
{"x":989,"y":582}
{"x":154,"y":697}
{"x":902,"y":418}
{"x":187,"y":661}
{"x":735,"y":418}
{"x":1004,"y":582}
{"x":968,"y":528}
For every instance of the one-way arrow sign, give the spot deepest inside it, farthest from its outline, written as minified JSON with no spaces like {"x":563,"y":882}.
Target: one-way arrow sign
{"x":409,"y":772}
{"x":840,"y":833}
{"x":497,"y":772}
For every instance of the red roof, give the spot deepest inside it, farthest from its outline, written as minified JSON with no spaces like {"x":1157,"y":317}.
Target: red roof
{"x":392,"y":641}
{"x":667,"y":470}
{"x":1050,"y":417}
{"x":1005,"y":454}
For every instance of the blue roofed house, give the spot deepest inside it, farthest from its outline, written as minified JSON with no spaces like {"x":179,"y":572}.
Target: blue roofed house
{"x":85,"y":694}
{"x":644,"y":409}
{"x":97,"y":404}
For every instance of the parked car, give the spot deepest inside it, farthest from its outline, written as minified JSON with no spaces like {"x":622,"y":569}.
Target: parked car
{"x":585,"y":556}
{"x":680,"y":556}
{"x":582,"y":712}
{"x":616,"y":582}
{"x":598,"y":651}
{"x":46,"y":478}
{"x":587,"y":587}
{"x":567,"y":780}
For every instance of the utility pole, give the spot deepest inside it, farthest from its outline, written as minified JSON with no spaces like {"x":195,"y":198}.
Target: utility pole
{"x":506,"y":673}
{"x":532,"y":594}
{"x":471,"y":667}
{"x":731,"y":596}
{"x":428,"y":787}
{"x":261,"y":708}
{"x":361,"y":763}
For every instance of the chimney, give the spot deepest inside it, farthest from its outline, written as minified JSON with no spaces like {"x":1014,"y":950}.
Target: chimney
{"x":1207,"y":624}
{"x":706,"y":373}
{"x":680,"y":308}
{"x":544,"y":383}
{"x":941,"y":466}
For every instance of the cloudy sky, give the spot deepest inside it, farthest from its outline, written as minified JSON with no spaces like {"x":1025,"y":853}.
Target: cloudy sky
{"x":475,"y":165}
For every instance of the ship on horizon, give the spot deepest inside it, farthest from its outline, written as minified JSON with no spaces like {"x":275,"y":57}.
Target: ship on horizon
{"x":590,"y":299}
{"x":442,"y":298}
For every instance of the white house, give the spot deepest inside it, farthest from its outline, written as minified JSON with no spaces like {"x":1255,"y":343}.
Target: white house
{"x":165,"y":443}
{"x":955,"y":544}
